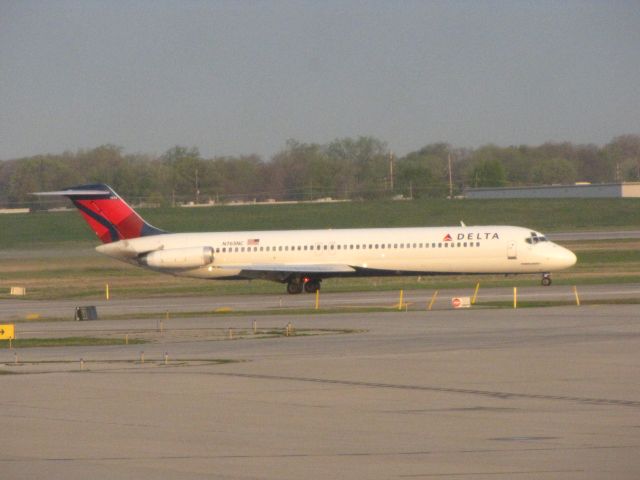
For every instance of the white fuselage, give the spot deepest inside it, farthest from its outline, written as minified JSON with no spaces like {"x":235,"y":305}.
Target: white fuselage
{"x":379,"y":251}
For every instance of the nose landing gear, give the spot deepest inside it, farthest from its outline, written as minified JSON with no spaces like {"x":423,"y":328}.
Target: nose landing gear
{"x":546,"y":279}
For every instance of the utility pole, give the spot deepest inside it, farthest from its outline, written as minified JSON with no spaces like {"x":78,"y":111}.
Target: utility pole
{"x":450,"y":177}
{"x":197,"y":188}
{"x":391,"y":171}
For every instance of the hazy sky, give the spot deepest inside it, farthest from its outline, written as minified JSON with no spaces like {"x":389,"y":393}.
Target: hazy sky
{"x":241,"y":77}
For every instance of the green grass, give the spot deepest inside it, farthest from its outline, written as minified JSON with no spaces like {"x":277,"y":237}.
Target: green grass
{"x":608,"y":256}
{"x":558,"y":303}
{"x":66,"y":342}
{"x":68,"y":228}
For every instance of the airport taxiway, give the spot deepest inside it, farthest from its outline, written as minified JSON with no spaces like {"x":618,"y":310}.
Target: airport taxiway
{"x":16,"y":309}
{"x":527,"y":393}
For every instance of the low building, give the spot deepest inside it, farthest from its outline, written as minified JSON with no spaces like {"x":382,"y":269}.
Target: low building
{"x":578,"y":190}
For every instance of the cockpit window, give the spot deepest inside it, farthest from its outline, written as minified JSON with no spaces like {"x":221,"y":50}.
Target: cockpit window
{"x":535,"y":238}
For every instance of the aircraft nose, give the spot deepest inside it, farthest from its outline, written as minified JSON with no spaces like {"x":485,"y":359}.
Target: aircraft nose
{"x":569,"y":257}
{"x":563,"y":257}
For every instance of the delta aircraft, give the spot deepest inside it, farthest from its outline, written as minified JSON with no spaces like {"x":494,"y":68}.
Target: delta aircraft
{"x":303,"y":258}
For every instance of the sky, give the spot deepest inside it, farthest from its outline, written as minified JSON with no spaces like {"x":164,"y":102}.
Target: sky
{"x":243,"y":77}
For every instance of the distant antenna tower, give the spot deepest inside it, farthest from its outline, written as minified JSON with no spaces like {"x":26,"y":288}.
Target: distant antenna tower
{"x":450,"y":177}
{"x":391,"y":171}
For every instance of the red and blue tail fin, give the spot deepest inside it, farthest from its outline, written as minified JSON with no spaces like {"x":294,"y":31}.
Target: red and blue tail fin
{"x":108,"y":215}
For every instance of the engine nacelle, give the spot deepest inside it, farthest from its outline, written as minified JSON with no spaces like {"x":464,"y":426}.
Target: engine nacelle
{"x":179,"y":257}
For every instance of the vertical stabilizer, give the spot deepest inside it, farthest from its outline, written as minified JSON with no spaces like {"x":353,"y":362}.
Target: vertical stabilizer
{"x":108,"y":215}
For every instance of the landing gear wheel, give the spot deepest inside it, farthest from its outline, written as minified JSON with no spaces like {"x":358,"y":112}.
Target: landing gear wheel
{"x":294,"y":287}
{"x":546,"y":279}
{"x":312,"y":286}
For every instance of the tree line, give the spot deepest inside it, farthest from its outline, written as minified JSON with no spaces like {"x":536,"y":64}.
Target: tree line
{"x":347,"y":168}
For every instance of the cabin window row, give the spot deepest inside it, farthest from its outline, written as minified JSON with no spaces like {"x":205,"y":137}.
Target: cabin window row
{"x":358,"y":246}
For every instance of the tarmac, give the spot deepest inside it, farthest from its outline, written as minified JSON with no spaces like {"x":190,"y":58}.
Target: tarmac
{"x":530,"y":393}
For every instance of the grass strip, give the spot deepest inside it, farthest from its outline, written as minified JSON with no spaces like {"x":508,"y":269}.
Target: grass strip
{"x":558,"y":303}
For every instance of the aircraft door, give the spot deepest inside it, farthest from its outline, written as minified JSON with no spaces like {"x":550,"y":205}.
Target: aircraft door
{"x":512,"y":251}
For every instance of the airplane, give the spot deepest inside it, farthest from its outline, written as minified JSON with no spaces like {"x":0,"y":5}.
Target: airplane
{"x":301,"y":259}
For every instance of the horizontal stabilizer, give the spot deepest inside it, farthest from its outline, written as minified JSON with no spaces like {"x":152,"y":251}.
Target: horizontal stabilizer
{"x":74,"y":193}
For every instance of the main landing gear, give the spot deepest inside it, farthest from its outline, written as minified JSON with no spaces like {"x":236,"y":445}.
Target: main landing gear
{"x":297,"y":285}
{"x":546,"y":279}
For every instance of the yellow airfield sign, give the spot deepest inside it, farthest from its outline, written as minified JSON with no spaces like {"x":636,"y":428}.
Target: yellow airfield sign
{"x":7,"y":332}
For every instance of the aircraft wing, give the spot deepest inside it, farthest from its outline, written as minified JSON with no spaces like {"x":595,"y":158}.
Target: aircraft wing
{"x":292,"y":268}
{"x":282,"y":271}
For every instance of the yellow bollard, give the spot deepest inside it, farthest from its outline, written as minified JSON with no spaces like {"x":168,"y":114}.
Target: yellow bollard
{"x":515,"y":297}
{"x":318,"y":299}
{"x":401,"y":298}
{"x":231,"y":334}
{"x":106,"y":291}
{"x":433,"y":300}
{"x":475,"y":294}
{"x":166,"y":358}
{"x":575,"y":292}
{"x":141,"y":357}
